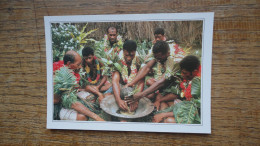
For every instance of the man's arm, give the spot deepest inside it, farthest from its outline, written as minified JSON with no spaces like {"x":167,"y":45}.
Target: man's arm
{"x":102,"y":82}
{"x":79,"y":107}
{"x":159,"y":117}
{"x":116,"y":88}
{"x":142,"y":73}
{"x":104,"y":79}
{"x":160,"y":98}
{"x":168,"y":97}
{"x":157,"y":85}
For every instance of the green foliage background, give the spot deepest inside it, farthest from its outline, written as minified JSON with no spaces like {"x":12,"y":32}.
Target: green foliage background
{"x":74,"y":36}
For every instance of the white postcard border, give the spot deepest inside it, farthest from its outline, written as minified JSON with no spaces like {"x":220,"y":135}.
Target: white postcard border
{"x":207,"y":38}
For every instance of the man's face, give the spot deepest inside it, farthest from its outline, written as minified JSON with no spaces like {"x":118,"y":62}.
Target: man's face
{"x":160,"y":57}
{"x":186,"y":74}
{"x":76,"y":66}
{"x":129,"y":56}
{"x":89,"y":59}
{"x":112,"y":35}
{"x":159,"y":37}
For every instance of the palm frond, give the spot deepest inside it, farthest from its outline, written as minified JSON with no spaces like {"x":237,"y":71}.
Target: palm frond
{"x":64,"y":80}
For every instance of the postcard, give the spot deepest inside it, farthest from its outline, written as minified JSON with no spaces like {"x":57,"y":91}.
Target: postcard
{"x":130,"y":72}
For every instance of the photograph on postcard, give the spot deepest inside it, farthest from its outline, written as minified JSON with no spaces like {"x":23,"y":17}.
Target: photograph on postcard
{"x":111,"y":70}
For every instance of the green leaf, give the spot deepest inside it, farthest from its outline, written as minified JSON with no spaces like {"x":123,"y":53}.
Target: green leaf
{"x":105,"y":71}
{"x":83,"y":29}
{"x":90,"y":40}
{"x":68,"y":99}
{"x":186,"y":112}
{"x":197,"y":102}
{"x":118,"y":67}
{"x":89,"y":32}
{"x":83,"y":42}
{"x":109,"y":62}
{"x":195,"y":87}
{"x":72,"y":35}
{"x":64,"y":80}
{"x":104,"y":60}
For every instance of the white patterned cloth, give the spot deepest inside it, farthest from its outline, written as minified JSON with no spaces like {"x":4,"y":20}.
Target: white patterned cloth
{"x":68,"y":114}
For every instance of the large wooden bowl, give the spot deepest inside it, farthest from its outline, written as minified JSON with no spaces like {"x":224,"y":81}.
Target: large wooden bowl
{"x":145,"y":107}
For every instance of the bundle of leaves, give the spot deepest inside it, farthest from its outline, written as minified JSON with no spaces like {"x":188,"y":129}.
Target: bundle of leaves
{"x":92,"y":106}
{"x":195,"y":87}
{"x":64,"y":80}
{"x":83,"y":82}
{"x":82,"y":38}
{"x":173,"y":85}
{"x":187,"y":112}
{"x":143,"y":49}
{"x":110,"y":60}
{"x":173,"y":70}
{"x":65,"y":85}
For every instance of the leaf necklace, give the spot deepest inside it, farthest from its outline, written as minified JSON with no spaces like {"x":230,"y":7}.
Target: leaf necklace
{"x":159,"y":71}
{"x":126,"y":78}
{"x":186,"y":92}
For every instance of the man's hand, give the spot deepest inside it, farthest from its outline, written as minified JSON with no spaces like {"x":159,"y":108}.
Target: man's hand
{"x":100,"y":119}
{"x":97,"y":118}
{"x":134,"y":98}
{"x":138,"y":96}
{"x":158,"y":117}
{"x":122,"y":105}
{"x":96,"y":88}
{"x":128,"y":85}
{"x":157,"y":104}
{"x":134,"y":106}
{"x":100,"y":97}
{"x":79,"y":90}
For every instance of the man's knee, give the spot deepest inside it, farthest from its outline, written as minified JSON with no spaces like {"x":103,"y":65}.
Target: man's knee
{"x":163,"y":105}
{"x":170,"y":120}
{"x":171,"y":103}
{"x":88,"y":87}
{"x":81,"y":117}
{"x":107,"y":94}
{"x":171,"y":95}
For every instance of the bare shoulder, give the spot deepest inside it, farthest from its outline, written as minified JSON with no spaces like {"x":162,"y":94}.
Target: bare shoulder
{"x":151,"y":63}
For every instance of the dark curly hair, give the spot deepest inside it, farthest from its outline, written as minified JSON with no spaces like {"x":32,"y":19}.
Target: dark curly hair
{"x":112,"y":28}
{"x":68,"y":57}
{"x":130,"y":46}
{"x":87,"y":51}
{"x":159,"y":31}
{"x":161,"y":47}
{"x":190,"y":63}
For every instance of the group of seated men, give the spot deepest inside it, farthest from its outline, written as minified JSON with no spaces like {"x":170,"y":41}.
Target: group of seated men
{"x":153,"y":80}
